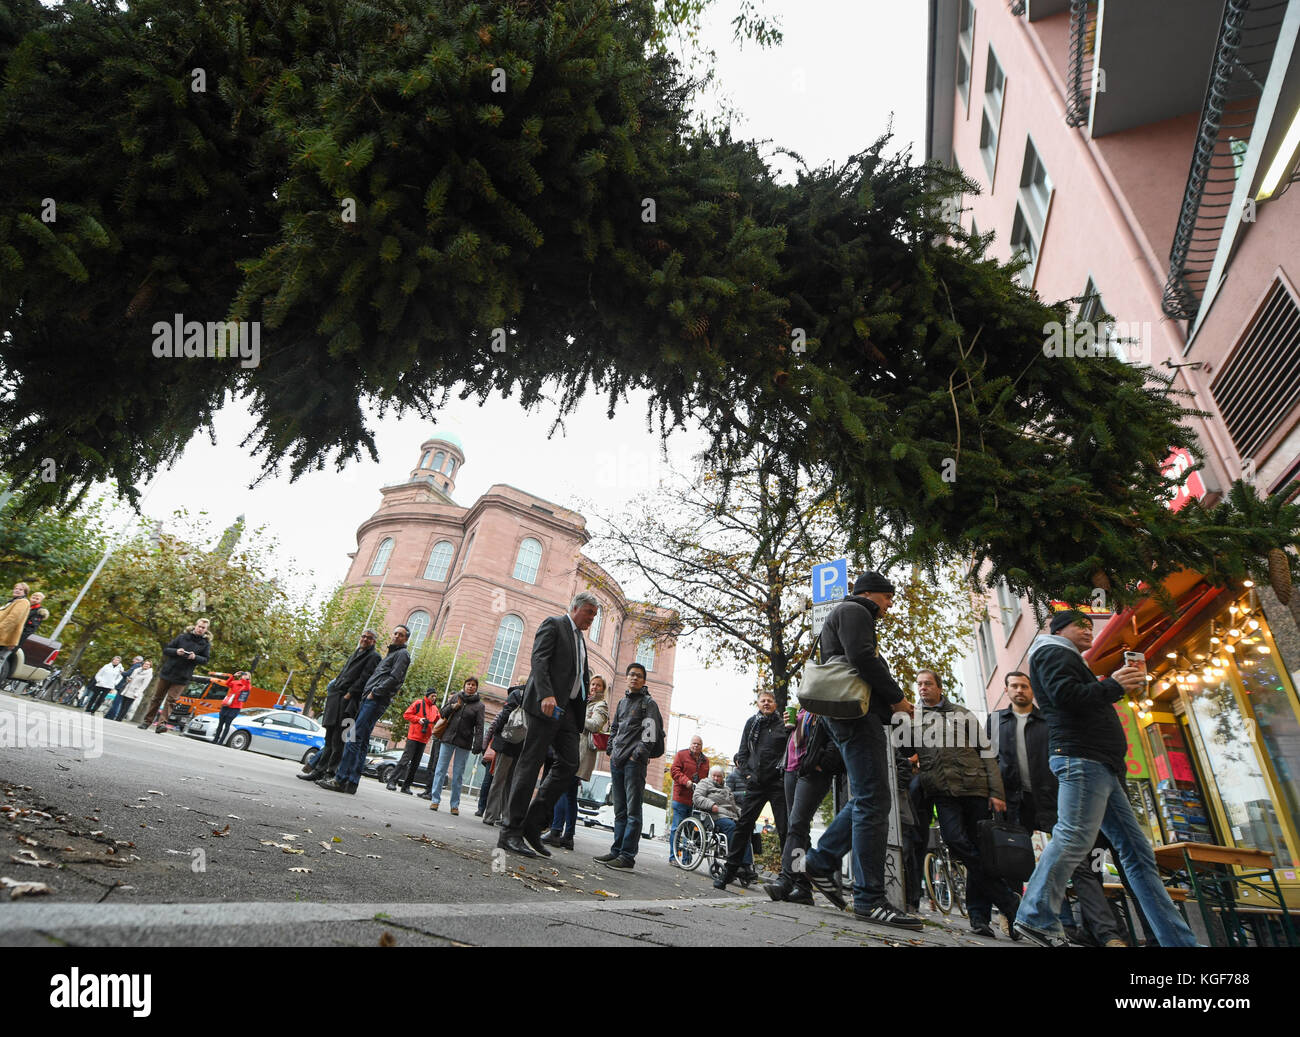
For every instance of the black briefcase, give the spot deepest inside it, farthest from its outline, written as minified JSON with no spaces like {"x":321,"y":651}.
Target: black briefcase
{"x":1007,"y":850}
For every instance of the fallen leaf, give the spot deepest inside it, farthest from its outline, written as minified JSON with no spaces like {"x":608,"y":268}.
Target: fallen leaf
{"x":336,"y":839}
{"x":27,"y":857}
{"x":221,"y":831}
{"x":28,"y":840}
{"x":24,"y":889}
{"x":99,"y":832}
{"x":292,"y":849}
{"x":605,"y":893}
{"x":155,"y":792}
{"x":324,"y":845}
{"x":291,"y":838}
{"x":301,"y":871}
{"x":373,"y":857}
{"x":387,"y":939}
{"x":234,"y":817}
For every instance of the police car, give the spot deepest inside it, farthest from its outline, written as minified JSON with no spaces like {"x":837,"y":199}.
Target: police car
{"x":276,"y":732}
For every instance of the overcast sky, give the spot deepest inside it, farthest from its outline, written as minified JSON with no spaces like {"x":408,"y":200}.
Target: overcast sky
{"x":846,"y":67}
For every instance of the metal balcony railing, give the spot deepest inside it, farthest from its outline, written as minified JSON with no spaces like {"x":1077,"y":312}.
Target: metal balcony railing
{"x":1079,"y":75}
{"x":1247,"y":40}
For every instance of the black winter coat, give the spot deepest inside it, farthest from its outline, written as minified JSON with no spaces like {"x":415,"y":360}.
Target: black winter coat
{"x":850,"y":631}
{"x":1002,"y":732}
{"x":352,"y":678}
{"x":1080,"y":711}
{"x":761,"y":756}
{"x":178,"y":669}
{"x":513,"y":701}
{"x":465,"y":728}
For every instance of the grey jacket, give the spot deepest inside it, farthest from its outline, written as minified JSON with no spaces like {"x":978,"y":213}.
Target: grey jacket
{"x":627,"y":739}
{"x":389,"y":675}
{"x":956,"y":767}
{"x":708,"y":795}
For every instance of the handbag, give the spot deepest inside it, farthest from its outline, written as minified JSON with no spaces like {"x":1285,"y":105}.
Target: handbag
{"x":600,"y":741}
{"x":1006,"y":849}
{"x":834,"y":689}
{"x":515,"y":729}
{"x":440,"y":728}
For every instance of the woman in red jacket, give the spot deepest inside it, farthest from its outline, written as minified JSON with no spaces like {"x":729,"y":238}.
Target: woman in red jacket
{"x":236,"y":696}
{"x":423,"y":714}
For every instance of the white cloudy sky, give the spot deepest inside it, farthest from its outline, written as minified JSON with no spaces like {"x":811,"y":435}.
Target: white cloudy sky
{"x":846,"y":67}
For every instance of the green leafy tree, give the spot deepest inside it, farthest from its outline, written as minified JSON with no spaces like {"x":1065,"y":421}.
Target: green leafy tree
{"x":432,"y":667}
{"x":317,"y":637}
{"x":497,"y":196}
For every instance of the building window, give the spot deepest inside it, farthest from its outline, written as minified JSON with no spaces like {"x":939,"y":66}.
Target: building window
{"x":381,"y":557}
{"x":1024,"y":243}
{"x":504,"y":651}
{"x":424,"y":461}
{"x":987,"y":657}
{"x":1009,"y":608}
{"x":1035,"y":187}
{"x":645,"y":653}
{"x":450,"y":466}
{"x":995,"y":84}
{"x":437,"y":461}
{"x":527,"y":561}
{"x":418,"y":625}
{"x":439,"y":561}
{"x":594,"y":632}
{"x":469,"y":546}
{"x":965,"y":43}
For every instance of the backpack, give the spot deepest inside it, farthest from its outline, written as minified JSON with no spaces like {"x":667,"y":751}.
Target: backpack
{"x":657,"y":747}
{"x":514,"y":730}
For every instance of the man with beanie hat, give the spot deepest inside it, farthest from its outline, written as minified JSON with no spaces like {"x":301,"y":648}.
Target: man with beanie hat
{"x":863,"y":823}
{"x":1087,"y":751}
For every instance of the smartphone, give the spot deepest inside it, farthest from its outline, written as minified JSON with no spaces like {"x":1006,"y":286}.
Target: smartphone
{"x":1136,"y":660}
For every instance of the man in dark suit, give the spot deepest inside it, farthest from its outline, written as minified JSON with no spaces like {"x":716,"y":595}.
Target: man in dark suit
{"x":555,"y":701}
{"x":342,"y":701}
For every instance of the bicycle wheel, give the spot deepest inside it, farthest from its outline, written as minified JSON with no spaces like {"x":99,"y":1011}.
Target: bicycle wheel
{"x":689,"y":844}
{"x":937,"y":882}
{"x":958,"y":872}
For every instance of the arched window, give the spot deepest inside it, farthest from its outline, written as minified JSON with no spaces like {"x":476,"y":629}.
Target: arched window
{"x":418,"y":625}
{"x":645,"y":653}
{"x":594,"y":632}
{"x":530,"y":557}
{"x":424,"y":461}
{"x":468,"y":548}
{"x":381,"y":557}
{"x":439,"y":560}
{"x":437,"y":461}
{"x":450,"y":466}
{"x":504,"y":651}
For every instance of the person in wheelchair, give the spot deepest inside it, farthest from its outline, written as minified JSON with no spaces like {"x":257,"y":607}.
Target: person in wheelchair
{"x":718,"y":803}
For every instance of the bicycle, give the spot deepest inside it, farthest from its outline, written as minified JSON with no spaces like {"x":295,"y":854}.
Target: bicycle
{"x":945,"y":878}
{"x":68,"y":690}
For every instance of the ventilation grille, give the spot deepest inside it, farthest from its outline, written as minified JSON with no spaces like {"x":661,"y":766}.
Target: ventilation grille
{"x":1259,"y":386}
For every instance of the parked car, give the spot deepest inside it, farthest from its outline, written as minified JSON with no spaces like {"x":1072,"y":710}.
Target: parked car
{"x":654,"y":810}
{"x":383,"y":765}
{"x":276,"y":732}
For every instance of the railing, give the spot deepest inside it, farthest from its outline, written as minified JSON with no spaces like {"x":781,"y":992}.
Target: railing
{"x":1079,"y":75}
{"x":1247,"y":40}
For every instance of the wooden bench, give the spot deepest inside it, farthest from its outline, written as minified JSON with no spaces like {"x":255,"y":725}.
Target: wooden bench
{"x":1266,"y":924}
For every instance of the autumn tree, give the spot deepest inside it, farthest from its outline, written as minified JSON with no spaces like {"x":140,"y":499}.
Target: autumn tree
{"x":318,"y":635}
{"x":432,"y":666}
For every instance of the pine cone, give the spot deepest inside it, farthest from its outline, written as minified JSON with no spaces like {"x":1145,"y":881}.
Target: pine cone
{"x":1100,"y":579}
{"x":1279,"y":574}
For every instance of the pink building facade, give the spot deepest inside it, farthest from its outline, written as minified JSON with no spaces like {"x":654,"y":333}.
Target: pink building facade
{"x":1140,"y":154}
{"x":491,"y":572}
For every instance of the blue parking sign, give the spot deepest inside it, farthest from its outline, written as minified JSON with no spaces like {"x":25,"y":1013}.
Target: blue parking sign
{"x":830,"y":581}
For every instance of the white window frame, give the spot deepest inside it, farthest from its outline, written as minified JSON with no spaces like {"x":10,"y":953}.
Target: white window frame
{"x":965,"y":52}
{"x":424,"y":461}
{"x":1036,"y":194}
{"x":991,"y":124}
{"x":382,"y":554}
{"x":418,"y":632}
{"x":594,"y":632}
{"x":1023,"y":240}
{"x":645,"y":653}
{"x":450,"y":466}
{"x":438,"y":575}
{"x":1008,"y":609}
{"x":988,"y":660}
{"x":526,"y":570}
{"x":506,"y":644}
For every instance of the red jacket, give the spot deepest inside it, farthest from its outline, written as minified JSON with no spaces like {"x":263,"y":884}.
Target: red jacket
{"x":237,"y":694}
{"x":686,"y":769}
{"x":421,"y":709}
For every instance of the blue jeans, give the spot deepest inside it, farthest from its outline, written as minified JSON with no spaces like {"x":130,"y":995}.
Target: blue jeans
{"x":628,"y":785}
{"x":1092,"y":797}
{"x":118,"y":708}
{"x":727,"y":826}
{"x":565,"y":818}
{"x":680,"y":812}
{"x":862,"y":825}
{"x":446,"y":754}
{"x":354,"y":752}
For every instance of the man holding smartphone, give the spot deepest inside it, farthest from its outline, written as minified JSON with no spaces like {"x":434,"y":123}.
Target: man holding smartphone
{"x":1087,"y":750}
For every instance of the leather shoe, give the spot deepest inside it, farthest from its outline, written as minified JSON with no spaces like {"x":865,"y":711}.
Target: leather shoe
{"x":604,"y":858}
{"x":425,"y":795}
{"x":406,"y":792}
{"x":352,"y":789}
{"x":534,"y":840}
{"x":333,"y":785}
{"x":391,"y":787}
{"x":310,"y":776}
{"x":780,"y":889}
{"x":728,"y":875}
{"x":565,"y":844}
{"x":514,"y":844}
{"x":552,"y":838}
{"x":983,"y":930}
{"x":800,"y":895}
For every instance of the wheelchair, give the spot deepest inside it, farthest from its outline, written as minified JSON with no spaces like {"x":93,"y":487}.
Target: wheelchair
{"x":699,"y":839}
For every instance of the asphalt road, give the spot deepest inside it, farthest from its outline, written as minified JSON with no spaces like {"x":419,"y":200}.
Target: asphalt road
{"x":166,"y":840}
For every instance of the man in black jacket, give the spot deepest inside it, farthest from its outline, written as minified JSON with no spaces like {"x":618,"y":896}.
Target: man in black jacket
{"x":1087,"y":750}
{"x":342,"y":701}
{"x":555,"y":702}
{"x":635,"y":734}
{"x":385,"y":682}
{"x":862,"y":825}
{"x":1020,"y":734}
{"x":761,"y":759}
{"x":507,"y":754}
